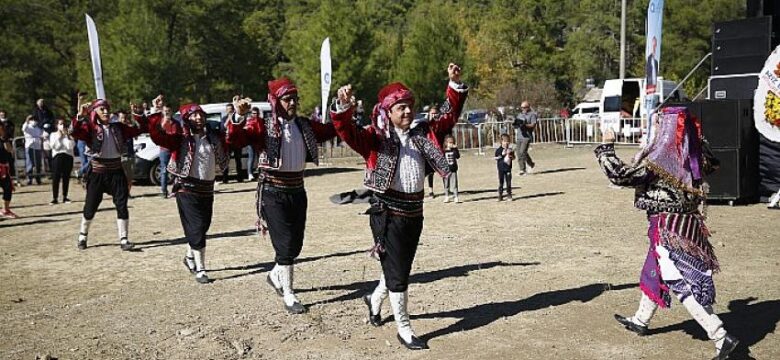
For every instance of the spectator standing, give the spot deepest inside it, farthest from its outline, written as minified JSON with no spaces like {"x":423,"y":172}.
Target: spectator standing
{"x":43,"y":116}
{"x":6,"y":178}
{"x":165,"y":154}
{"x":504,"y":156}
{"x":251,"y":159}
{"x":128,"y":158}
{"x":452,"y":155}
{"x":8,"y":125}
{"x":230,"y":116}
{"x":62,"y":145}
{"x":433,"y":115}
{"x":33,"y":149}
{"x":525,"y":123}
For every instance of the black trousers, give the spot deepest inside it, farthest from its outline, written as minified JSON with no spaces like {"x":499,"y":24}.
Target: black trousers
{"x":239,"y":169}
{"x":6,"y":186}
{"x":195,"y":212}
{"x":505,"y":176}
{"x":285,"y":214}
{"x":114,"y":183}
{"x":401,"y":240}
{"x":61,"y":166}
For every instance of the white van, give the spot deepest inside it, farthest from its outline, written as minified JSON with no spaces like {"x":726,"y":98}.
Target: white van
{"x":628,"y":95}
{"x":586,"y":110}
{"x":147,"y":153}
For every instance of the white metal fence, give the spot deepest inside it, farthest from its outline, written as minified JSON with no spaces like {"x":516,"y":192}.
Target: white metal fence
{"x":548,"y":130}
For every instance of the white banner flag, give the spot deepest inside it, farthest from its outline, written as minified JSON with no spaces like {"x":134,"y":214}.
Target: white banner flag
{"x":655,"y":17}
{"x":325,"y":77}
{"x":94,"y":51}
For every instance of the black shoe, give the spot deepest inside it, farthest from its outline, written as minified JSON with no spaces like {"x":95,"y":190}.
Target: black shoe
{"x":66,"y":201}
{"x":375,"y":320}
{"x":729,"y":344}
{"x":296,"y":308}
{"x":202,"y":279}
{"x":53,"y":202}
{"x":82,"y":244}
{"x":630,"y":325}
{"x":164,"y":195}
{"x":416,"y":343}
{"x":126,"y":246}
{"x":279,"y":291}
{"x":187,"y":264}
{"x":500,"y":197}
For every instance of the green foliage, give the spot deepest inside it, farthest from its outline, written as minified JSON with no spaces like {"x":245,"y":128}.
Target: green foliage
{"x":210,"y":50}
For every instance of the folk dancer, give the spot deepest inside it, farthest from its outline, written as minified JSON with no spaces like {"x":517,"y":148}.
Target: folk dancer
{"x":396,"y":153}
{"x":196,"y":152}
{"x":284,"y":142}
{"x":105,"y":144}
{"x":667,"y":175}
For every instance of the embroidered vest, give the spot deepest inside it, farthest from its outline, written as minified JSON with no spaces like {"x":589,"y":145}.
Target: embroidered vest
{"x":380,"y":177}
{"x":269,"y":157}
{"x":98,"y":134}
{"x":181,"y":167}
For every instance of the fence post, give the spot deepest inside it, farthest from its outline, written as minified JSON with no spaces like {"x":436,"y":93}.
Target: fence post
{"x":567,"y":125}
{"x":479,"y":139}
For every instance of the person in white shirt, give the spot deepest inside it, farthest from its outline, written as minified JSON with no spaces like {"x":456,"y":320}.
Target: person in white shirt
{"x":196,"y":153}
{"x":284,"y":142}
{"x":62,"y":145}
{"x":33,"y":149}
{"x":396,"y":151}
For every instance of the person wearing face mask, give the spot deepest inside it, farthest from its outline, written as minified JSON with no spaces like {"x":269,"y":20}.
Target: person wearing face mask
{"x":196,"y":153}
{"x":396,"y":153}
{"x":105,"y":142}
{"x":284,"y":143}
{"x":33,"y":147}
{"x":62,"y":145}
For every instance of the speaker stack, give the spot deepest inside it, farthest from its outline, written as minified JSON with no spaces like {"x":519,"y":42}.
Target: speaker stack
{"x":728,"y":126}
{"x":739,"y":50}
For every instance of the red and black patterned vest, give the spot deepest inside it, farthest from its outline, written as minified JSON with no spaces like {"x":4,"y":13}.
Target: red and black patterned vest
{"x":269,"y":157}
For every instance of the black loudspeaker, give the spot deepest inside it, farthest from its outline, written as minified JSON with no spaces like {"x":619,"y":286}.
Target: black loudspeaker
{"x":741,"y":46}
{"x":737,"y":178}
{"x":727,"y":123}
{"x":728,"y":126}
{"x":733,"y":87}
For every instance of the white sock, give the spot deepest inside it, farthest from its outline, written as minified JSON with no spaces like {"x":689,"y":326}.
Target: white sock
{"x":286,"y":280}
{"x":190,"y":257}
{"x":645,"y":311}
{"x":378,"y":296}
{"x":84,"y":230}
{"x":200,"y":261}
{"x":707,"y":319}
{"x":399,"y":300}
{"x":274,"y":275}
{"x":121,"y":225}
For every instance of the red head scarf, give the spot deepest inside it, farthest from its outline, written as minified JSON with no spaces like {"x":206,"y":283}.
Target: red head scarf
{"x":93,"y":107}
{"x":389,"y":96}
{"x":185,"y":111}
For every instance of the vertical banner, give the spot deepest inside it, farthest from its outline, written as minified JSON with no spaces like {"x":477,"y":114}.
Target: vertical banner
{"x":325,"y":77}
{"x":655,"y":16}
{"x":94,"y":52}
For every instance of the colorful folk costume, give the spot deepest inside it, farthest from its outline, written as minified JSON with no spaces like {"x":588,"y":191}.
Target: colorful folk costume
{"x":105,"y":144}
{"x":284,"y":144}
{"x":395,"y":171}
{"x":196,"y":152}
{"x":667,"y":175}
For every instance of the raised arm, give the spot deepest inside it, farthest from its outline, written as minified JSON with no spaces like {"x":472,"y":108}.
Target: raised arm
{"x":361,"y":140}
{"x":618,"y":172}
{"x":322,"y":131}
{"x":79,"y":125}
{"x":244,"y":130}
{"x":165,"y":133}
{"x":457,"y":92}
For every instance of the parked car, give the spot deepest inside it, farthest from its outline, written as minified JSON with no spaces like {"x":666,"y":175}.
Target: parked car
{"x":147,"y":153}
{"x":21,"y":156}
{"x":476,"y":116}
{"x":585,"y":111}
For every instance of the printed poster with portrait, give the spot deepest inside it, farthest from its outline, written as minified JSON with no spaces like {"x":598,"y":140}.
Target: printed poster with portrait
{"x":766,"y":103}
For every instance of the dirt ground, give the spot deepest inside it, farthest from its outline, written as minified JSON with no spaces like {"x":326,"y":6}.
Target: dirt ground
{"x":536,"y":278}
